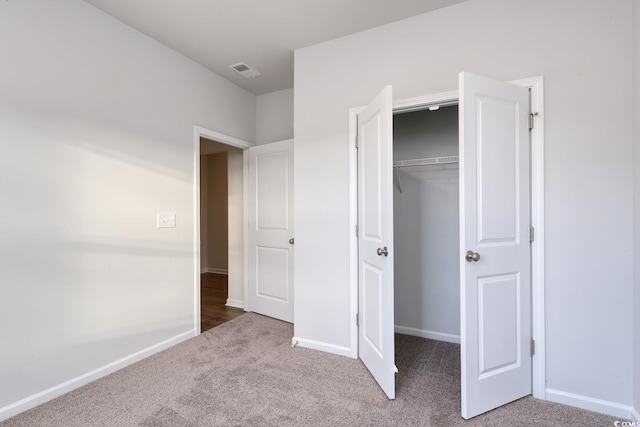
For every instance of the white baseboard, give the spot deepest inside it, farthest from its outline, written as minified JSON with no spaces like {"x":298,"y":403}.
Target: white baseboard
{"x":65,"y":387}
{"x":237,"y":303}
{"x":590,"y":404}
{"x":214,"y":270}
{"x":635,"y":416}
{"x":439,"y":336}
{"x":322,"y":346}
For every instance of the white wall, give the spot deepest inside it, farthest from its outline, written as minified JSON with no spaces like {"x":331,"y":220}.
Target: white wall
{"x":274,"y":116}
{"x":96,"y":137}
{"x":426,"y":227}
{"x":583,"y":49}
{"x":636,"y":249}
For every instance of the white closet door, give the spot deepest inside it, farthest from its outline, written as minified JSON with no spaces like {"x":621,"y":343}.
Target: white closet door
{"x":375,"y":258}
{"x":494,"y":238}
{"x":271,"y":230}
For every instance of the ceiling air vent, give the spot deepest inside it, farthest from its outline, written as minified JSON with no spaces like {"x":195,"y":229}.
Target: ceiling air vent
{"x":246,"y":71}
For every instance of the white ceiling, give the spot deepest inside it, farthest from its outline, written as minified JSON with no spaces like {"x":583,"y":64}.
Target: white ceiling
{"x":261,"y":33}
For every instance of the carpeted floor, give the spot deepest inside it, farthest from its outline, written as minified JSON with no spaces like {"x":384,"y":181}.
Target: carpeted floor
{"x":245,"y":373}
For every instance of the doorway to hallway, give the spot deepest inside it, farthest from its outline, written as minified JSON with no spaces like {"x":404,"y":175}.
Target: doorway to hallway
{"x":213,"y":297}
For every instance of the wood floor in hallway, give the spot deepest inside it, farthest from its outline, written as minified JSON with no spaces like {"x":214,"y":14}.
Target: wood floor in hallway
{"x":213,"y":297}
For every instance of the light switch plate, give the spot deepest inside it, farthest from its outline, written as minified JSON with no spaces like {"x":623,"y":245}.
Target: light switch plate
{"x":166,"y":220}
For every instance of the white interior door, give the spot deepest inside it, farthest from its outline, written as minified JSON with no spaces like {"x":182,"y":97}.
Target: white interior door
{"x":270,"y":239}
{"x":375,"y":241}
{"x":495,"y":250}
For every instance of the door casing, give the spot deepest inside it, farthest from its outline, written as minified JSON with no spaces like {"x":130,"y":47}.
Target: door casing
{"x":537,"y":216}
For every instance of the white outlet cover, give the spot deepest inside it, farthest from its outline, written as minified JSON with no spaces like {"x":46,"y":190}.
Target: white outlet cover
{"x":166,"y":220}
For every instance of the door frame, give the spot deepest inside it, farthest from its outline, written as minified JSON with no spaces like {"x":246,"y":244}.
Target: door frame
{"x":536,"y":85}
{"x":199,"y":132}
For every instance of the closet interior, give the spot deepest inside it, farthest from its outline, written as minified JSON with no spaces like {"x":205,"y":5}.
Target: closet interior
{"x":426,"y":223}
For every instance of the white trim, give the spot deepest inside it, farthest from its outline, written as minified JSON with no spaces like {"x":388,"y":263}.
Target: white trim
{"x":537,"y":217}
{"x":422,"y":102}
{"x":199,"y":132}
{"x":196,"y":229}
{"x":215,"y":270}
{"x":353,"y":221}
{"x":220,"y":137}
{"x":245,"y":215}
{"x":589,"y":403}
{"x":537,"y":247}
{"x":322,"y":346}
{"x":237,"y":303}
{"x":65,"y":387}
{"x":635,"y":416}
{"x":438,"y":336}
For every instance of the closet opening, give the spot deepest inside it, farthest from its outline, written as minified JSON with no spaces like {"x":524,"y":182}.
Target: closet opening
{"x":500,"y":200}
{"x":426,"y":224}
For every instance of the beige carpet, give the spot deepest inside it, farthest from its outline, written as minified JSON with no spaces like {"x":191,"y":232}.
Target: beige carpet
{"x":245,"y":373}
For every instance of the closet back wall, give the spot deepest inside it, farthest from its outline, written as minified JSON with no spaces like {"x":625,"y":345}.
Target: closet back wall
{"x":426,"y":227}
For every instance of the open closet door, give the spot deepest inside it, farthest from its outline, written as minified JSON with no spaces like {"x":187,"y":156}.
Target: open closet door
{"x":270,"y":231}
{"x":375,"y":241}
{"x":495,"y":292}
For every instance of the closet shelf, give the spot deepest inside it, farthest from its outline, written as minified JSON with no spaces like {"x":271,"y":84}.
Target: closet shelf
{"x":444,"y":169}
{"x":431,"y":161}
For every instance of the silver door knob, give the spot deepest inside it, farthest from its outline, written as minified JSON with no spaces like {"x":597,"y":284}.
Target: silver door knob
{"x":383,"y":251}
{"x":472,"y":256}
{"x":291,"y":241}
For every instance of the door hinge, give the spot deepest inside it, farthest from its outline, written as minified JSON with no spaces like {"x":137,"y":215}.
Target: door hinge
{"x":531,"y":116}
{"x":532,"y":234}
{"x":357,"y":231}
{"x":357,"y":319}
{"x":533,"y":347}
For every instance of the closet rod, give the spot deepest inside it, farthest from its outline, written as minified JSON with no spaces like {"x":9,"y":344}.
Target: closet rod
{"x":396,"y":170}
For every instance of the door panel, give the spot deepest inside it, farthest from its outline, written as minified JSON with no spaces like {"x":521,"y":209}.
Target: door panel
{"x":498,"y":303}
{"x":375,"y":242}
{"x":371,"y":323}
{"x":270,"y":228}
{"x":272,"y":273}
{"x":494,"y":224}
{"x":272,"y":196}
{"x":497,"y":174}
